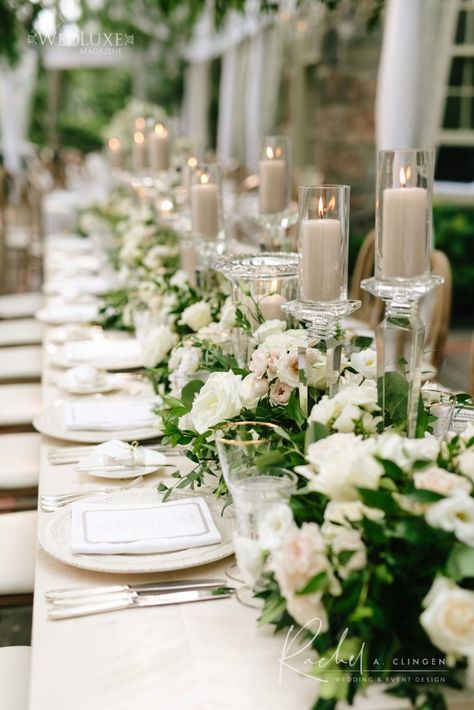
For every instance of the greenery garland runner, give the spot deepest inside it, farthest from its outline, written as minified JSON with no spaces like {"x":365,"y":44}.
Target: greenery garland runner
{"x":372,"y":561}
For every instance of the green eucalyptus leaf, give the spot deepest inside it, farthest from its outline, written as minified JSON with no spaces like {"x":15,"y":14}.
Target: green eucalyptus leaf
{"x":317,"y":583}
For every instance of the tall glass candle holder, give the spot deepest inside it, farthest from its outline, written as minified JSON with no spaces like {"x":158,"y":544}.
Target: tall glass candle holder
{"x":207,"y":223}
{"x":159,"y":147}
{"x":402,"y":269}
{"x":261,"y":285}
{"x":323,"y":245}
{"x":275,"y":191}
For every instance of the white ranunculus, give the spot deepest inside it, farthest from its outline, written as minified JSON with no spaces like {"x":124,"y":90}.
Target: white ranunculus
{"x":339,"y":464}
{"x":250,"y":559}
{"x":287,"y":369}
{"x":365,"y":362}
{"x":448,"y":618}
{"x":438,"y":480}
{"x":466,"y":463}
{"x":274,"y":525}
{"x":404,"y":452}
{"x":197,"y":316}
{"x":179,"y":279}
{"x":325,"y":410}
{"x":156,"y":345}
{"x":252,"y":390}
{"x":454,"y":514}
{"x":269,"y":327}
{"x":218,"y":400}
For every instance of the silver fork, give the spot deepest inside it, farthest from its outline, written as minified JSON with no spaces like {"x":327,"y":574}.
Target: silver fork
{"x":51,"y":503}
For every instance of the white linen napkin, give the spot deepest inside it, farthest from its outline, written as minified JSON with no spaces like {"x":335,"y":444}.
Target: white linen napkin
{"x":116,"y":452}
{"x":109,"y":416}
{"x":141,"y":528}
{"x":103,"y":352}
{"x":85,"y":376}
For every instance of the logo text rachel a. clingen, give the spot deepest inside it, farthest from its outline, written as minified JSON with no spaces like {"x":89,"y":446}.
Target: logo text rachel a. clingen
{"x":298,"y":655}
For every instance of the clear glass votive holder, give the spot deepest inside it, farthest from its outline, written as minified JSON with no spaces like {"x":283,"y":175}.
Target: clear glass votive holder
{"x":274,"y":177}
{"x":323,"y":244}
{"x":205,"y":201}
{"x":240,"y":444}
{"x":404,"y":216}
{"x":254,"y":489}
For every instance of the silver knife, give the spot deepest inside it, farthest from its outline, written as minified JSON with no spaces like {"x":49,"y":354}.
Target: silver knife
{"x":134,"y":600}
{"x":177,"y":585}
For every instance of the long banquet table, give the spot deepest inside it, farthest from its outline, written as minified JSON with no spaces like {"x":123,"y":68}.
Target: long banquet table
{"x":202,"y":656}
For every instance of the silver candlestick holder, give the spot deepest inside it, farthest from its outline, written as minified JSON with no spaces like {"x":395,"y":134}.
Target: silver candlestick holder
{"x":402,"y":278}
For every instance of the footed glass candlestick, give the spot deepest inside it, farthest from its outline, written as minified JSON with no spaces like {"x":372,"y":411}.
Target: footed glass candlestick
{"x":402,"y":272}
{"x":275,"y":193}
{"x":323,"y":239}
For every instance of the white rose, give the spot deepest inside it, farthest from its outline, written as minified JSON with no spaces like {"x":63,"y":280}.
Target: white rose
{"x":468,"y":433}
{"x":282,"y":342}
{"x":227,"y":317}
{"x":348,"y":512}
{"x":197,"y":316}
{"x":287,"y":369}
{"x":365,"y":362}
{"x":339,"y":464}
{"x":156,"y":345}
{"x":308,"y":611}
{"x":448,"y":618}
{"x":252,"y":390}
{"x":344,"y":539}
{"x":438,"y":480}
{"x":179,"y":279}
{"x":250,"y":559}
{"x":404,"y":452}
{"x":269,"y":327}
{"x":454,"y":514}
{"x":258,"y":361}
{"x":280,"y":393}
{"x":213,"y":334}
{"x":324,"y":411}
{"x":363,"y":395}
{"x":154,"y":258}
{"x":347,"y":419}
{"x":274,"y":525}
{"x":217,"y":401}
{"x":466,"y":463}
{"x":317,"y":370}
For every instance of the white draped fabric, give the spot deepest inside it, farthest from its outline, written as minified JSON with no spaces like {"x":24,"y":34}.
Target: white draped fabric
{"x":409,"y":73}
{"x":196,"y":105}
{"x":16,"y":91}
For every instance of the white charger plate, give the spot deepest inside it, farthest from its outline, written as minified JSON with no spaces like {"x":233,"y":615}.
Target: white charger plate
{"x":55,"y":537}
{"x":51,"y":423}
